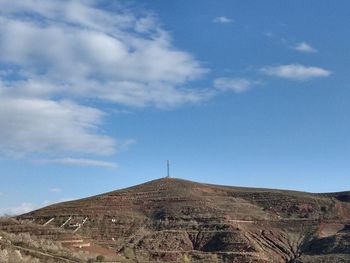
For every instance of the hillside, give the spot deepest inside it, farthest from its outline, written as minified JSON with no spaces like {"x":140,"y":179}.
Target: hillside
{"x":173,"y":220}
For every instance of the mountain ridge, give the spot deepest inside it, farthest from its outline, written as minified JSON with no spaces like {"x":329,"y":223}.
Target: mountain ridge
{"x":171,"y":219}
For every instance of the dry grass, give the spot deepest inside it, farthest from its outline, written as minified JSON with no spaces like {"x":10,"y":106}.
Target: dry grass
{"x":24,"y":247}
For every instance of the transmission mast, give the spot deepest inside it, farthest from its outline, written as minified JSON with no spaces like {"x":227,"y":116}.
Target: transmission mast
{"x":168,"y":168}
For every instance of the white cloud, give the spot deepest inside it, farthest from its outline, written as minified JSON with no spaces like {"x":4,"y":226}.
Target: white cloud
{"x":38,"y":125}
{"x":237,"y":85}
{"x":79,"y":162}
{"x":59,"y":54}
{"x":126,"y":144}
{"x":222,"y":20}
{"x":305,"y":47}
{"x":17,"y":210}
{"x":296,"y":72}
{"x":97,"y":56}
{"x":56,"y":190}
{"x":26,"y":207}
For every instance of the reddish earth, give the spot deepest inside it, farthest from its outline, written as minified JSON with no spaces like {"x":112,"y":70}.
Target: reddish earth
{"x":173,"y":220}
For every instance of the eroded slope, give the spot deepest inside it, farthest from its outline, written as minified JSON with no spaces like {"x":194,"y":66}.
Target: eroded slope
{"x":177,"y":220}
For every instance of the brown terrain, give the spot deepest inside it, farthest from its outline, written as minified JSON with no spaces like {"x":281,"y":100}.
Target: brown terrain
{"x":173,"y":220}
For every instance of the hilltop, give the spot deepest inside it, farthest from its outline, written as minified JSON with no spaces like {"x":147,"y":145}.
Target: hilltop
{"x":174,"y":220}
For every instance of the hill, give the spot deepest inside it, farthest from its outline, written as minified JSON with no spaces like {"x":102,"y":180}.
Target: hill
{"x":174,"y":220}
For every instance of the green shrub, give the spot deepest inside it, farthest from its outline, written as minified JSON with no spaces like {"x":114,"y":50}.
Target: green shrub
{"x":100,"y":258}
{"x":129,"y":253}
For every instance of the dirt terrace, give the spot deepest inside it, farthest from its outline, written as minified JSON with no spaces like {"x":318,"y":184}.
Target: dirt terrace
{"x":177,"y":220}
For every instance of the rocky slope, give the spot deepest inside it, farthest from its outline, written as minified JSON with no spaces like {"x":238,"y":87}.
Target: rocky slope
{"x":173,"y":220}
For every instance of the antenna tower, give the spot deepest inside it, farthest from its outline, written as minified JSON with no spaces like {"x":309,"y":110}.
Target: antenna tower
{"x":168,"y":169}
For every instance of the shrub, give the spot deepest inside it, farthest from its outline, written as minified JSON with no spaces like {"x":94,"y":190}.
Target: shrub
{"x":14,"y":256}
{"x":129,"y":253}
{"x":100,"y":258}
{"x":186,"y":259}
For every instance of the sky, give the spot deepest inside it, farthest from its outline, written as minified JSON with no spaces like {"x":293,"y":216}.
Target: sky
{"x":96,"y":96}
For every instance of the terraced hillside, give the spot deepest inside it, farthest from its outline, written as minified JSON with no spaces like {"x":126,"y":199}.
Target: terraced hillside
{"x":173,"y":220}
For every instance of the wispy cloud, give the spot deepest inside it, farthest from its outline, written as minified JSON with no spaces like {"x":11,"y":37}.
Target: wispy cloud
{"x":26,"y":207}
{"x":124,"y":145}
{"x":302,"y":46}
{"x":107,"y":55}
{"x":17,"y":210}
{"x":79,"y":162}
{"x":56,"y":190}
{"x":41,"y":125}
{"x":222,"y":20}
{"x":305,"y":47}
{"x":296,"y":72}
{"x":237,"y":85}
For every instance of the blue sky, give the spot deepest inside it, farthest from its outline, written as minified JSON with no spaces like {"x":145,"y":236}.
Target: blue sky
{"x":97,"y":95}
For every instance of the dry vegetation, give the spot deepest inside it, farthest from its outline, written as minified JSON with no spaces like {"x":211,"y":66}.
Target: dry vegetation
{"x":27,"y":248}
{"x":10,"y":255}
{"x":172,"y":220}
